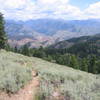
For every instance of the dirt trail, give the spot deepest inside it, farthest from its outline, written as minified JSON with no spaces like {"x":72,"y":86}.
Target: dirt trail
{"x":27,"y":93}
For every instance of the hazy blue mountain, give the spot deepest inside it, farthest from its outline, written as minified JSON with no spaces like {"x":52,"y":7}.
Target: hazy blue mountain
{"x":51,"y":26}
{"x":53,"y":30}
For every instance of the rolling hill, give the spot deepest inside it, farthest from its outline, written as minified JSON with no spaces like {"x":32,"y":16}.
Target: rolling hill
{"x":95,"y":39}
{"x":56,"y":81}
{"x":81,"y":46}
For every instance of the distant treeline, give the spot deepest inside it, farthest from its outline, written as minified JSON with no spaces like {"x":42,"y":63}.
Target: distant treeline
{"x":76,"y":58}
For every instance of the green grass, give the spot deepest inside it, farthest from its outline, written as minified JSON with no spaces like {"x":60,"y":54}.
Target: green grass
{"x":76,"y":84}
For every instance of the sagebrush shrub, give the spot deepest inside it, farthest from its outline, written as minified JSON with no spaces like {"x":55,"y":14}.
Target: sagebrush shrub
{"x":13,"y":76}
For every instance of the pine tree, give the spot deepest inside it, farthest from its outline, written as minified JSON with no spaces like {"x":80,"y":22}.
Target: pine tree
{"x":16,"y":49}
{"x":8,"y":47}
{"x":84,"y":65}
{"x":74,"y":62}
{"x":98,"y":66}
{"x":3,"y":38}
{"x":92,"y":65}
{"x":25,"y":50}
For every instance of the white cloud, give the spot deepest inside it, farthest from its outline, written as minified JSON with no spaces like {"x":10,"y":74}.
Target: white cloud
{"x":93,"y":11}
{"x":33,"y":9}
{"x":50,"y":2}
{"x":12,"y":4}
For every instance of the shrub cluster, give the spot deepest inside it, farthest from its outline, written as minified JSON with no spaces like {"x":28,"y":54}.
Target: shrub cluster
{"x":13,"y":76}
{"x":69,"y":83}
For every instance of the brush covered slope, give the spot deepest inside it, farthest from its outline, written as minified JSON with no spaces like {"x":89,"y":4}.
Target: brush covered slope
{"x":55,"y":80}
{"x":15,"y":72}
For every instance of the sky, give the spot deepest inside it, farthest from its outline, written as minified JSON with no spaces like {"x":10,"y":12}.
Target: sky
{"x":82,"y":4}
{"x":55,"y":9}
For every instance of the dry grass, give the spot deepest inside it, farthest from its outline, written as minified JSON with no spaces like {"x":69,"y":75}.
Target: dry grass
{"x":60,"y":80}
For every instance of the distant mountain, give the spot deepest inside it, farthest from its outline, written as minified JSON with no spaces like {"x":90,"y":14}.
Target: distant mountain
{"x":95,"y":39}
{"x":49,"y":31}
{"x":86,"y":46}
{"x":81,"y":46}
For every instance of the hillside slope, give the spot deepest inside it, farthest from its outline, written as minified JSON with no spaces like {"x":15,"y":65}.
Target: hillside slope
{"x":56,"y":80}
{"x":95,"y":39}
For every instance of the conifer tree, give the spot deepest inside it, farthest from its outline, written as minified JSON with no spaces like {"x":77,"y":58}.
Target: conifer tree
{"x":92,"y":65}
{"x":25,"y":50}
{"x":74,"y":62}
{"x":3,"y":38}
{"x":84,"y":65}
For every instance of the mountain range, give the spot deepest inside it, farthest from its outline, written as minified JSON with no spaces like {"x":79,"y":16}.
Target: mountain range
{"x":95,"y":39}
{"x":44,"y":32}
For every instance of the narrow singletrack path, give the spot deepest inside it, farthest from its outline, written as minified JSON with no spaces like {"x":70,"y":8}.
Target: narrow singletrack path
{"x":27,"y":93}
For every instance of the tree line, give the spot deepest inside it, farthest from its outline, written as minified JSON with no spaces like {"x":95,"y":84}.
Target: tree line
{"x":89,"y":63}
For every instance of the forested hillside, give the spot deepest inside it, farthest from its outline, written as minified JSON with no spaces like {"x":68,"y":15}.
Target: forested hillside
{"x":80,"y":53}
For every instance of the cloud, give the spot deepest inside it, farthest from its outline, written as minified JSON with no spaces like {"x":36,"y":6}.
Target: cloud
{"x":12,"y":4}
{"x":50,"y":2}
{"x":93,"y":11}
{"x":33,"y":9}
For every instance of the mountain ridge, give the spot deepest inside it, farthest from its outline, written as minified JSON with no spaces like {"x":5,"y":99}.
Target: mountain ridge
{"x":51,"y":31}
{"x":74,"y":41}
